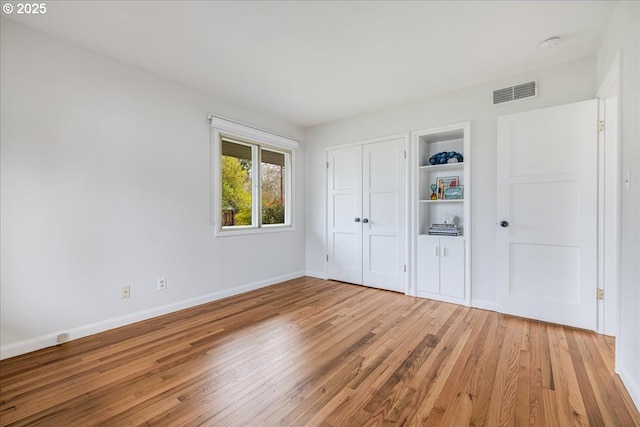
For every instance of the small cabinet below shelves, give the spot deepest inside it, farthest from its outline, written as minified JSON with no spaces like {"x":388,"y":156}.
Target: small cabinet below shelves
{"x":441,"y":268}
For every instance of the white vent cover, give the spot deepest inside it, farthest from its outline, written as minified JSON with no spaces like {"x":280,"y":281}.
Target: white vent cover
{"x":516,"y":92}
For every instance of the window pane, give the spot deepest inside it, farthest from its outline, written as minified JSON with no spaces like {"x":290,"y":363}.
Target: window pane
{"x":236,"y":184}
{"x":272,"y":169}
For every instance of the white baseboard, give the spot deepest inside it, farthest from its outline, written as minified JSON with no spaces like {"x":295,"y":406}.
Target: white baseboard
{"x":316,"y":274}
{"x":50,"y":340}
{"x":485,"y":305}
{"x":632,"y":386}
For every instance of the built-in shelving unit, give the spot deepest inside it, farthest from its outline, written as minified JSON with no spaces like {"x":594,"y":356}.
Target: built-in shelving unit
{"x":442,"y":262}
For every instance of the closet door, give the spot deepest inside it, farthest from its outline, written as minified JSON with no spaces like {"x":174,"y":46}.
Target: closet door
{"x":384,"y":207}
{"x":366,"y":224}
{"x":344,"y":222}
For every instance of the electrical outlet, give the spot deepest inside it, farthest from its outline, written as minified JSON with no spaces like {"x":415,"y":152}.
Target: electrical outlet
{"x":162,"y":283}
{"x":126,"y":292}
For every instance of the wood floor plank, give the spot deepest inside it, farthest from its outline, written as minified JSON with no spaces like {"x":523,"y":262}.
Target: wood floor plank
{"x":570,"y":411}
{"x":483,"y":378}
{"x":594,"y":416}
{"x":536,"y":404}
{"x":314,"y":352}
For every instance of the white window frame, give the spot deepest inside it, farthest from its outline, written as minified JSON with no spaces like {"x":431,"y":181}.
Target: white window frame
{"x":257,"y":139}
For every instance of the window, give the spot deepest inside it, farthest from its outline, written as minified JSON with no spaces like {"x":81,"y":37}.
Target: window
{"x":273,"y":179}
{"x":252,"y":179}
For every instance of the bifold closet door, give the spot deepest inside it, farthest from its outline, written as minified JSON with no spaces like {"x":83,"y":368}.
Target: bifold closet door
{"x":344,"y":191}
{"x":367,"y":214}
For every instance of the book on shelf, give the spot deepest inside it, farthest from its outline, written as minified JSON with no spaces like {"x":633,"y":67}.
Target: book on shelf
{"x":445,"y":230}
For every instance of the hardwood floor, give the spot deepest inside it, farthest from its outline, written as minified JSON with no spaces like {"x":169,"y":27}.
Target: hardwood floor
{"x":314,"y":352}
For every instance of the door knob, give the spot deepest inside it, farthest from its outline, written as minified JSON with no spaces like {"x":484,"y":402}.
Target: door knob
{"x":356,"y":219}
{"x":364,"y":221}
{"x":504,"y":224}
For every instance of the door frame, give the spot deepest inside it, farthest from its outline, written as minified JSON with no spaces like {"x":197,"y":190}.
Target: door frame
{"x":408,"y":215}
{"x":609,"y":213}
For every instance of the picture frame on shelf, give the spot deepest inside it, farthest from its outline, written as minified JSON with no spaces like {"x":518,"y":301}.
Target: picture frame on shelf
{"x":452,"y":193}
{"x":444,"y":182}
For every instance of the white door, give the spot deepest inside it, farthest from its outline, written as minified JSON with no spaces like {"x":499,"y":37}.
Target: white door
{"x":383,"y":207}
{"x":547,"y":214}
{"x":366,"y":214}
{"x":344,"y":192}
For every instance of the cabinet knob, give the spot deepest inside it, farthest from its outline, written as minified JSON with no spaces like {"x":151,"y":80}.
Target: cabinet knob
{"x":356,"y":220}
{"x":504,"y":224}
{"x":364,"y":221}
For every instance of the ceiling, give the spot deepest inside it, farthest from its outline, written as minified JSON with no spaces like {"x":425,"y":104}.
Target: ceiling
{"x":313,"y":62}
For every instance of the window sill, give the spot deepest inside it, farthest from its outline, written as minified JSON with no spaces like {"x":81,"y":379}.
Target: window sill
{"x":242,"y":231}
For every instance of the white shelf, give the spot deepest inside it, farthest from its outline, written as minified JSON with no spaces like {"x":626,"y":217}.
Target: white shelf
{"x":442,"y":201}
{"x":443,"y":167}
{"x":440,"y":236}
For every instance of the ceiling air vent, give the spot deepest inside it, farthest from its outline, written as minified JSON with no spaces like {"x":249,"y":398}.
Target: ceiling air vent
{"x":515,"y":92}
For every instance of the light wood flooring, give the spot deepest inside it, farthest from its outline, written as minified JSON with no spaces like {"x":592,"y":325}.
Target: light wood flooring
{"x":310,"y":352}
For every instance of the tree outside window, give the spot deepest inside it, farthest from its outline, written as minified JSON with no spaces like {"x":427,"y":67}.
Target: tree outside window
{"x":239,"y":169}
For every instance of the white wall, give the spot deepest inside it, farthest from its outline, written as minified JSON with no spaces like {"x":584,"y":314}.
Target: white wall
{"x":623,"y":36}
{"x":570,"y":82}
{"x":105,"y":182}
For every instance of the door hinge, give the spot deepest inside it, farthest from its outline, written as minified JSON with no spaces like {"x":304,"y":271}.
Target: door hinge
{"x":600,"y":294}
{"x":600,"y":125}
{"x":327,"y":165}
{"x":327,"y":258}
{"x":405,"y":154}
{"x":405,"y":268}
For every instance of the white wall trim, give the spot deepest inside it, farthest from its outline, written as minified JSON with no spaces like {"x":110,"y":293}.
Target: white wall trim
{"x":244,"y":130}
{"x":316,"y":274}
{"x":49,"y":340}
{"x":632,"y":387}
{"x":612,"y":76}
{"x":484,"y":305}
{"x":609,"y":210}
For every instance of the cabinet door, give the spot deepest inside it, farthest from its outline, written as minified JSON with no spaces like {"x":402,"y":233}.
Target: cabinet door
{"x":428,"y":265}
{"x":452,"y":267}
